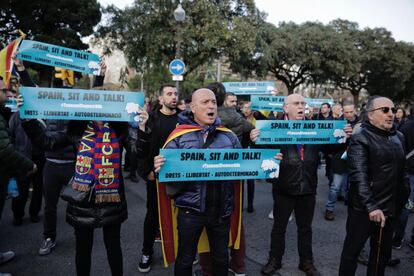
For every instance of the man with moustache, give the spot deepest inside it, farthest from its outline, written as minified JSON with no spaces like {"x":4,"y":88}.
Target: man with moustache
{"x":378,"y":188}
{"x":294,"y":190}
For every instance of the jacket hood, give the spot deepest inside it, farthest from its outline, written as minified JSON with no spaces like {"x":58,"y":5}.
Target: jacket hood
{"x":187,"y":118}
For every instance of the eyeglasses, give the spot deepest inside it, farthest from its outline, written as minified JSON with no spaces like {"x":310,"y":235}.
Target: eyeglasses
{"x":385,"y":109}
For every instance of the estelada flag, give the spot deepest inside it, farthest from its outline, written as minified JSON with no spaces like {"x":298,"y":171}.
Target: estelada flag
{"x":6,"y":62}
{"x":167,"y":213}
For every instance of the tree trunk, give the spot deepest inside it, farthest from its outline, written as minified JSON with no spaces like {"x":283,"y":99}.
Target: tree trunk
{"x":290,"y":89}
{"x":356,"y":98}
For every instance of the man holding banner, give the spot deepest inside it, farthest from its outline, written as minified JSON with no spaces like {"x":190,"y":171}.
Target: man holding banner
{"x":294,"y":190}
{"x":153,"y":131}
{"x":203,"y":204}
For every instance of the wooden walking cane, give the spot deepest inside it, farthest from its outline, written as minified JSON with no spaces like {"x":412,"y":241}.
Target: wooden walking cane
{"x":379,"y":250}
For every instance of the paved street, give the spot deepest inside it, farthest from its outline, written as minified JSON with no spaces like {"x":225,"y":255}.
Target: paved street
{"x":328,"y":239}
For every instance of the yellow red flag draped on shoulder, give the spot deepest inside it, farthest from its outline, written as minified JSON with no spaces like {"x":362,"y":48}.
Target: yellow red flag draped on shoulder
{"x":168,"y":213}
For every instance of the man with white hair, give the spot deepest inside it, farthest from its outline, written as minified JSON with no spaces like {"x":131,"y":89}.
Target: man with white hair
{"x":294,"y":190}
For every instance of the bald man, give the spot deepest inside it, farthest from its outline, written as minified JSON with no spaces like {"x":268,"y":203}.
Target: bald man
{"x":377,"y":188}
{"x":294,"y":190}
{"x":202,"y":204}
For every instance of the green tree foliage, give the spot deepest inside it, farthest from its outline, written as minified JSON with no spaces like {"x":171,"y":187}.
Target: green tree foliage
{"x":339,"y":53}
{"x":149,"y":35}
{"x":372,"y":60}
{"x":296,"y":54}
{"x":62,"y":22}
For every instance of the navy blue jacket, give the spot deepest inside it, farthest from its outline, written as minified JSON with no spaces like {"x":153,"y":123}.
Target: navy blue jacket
{"x":193,"y":196}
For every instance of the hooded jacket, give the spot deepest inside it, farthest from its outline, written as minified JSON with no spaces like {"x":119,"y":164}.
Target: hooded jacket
{"x":194,"y":195}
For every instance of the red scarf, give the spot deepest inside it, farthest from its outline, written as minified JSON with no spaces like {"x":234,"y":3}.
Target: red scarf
{"x":98,"y":163}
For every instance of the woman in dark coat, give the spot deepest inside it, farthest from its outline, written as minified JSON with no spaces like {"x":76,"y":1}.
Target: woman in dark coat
{"x":400,"y":118}
{"x":98,"y":173}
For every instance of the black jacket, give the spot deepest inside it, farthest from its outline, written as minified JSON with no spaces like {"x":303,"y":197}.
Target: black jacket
{"x":335,"y":152}
{"x":376,"y":161}
{"x":90,"y":215}
{"x":148,"y":143}
{"x":205,"y":196}
{"x":11,"y":160}
{"x":297,"y":177}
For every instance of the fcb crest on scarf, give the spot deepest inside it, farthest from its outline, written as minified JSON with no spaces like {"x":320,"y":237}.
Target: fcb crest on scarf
{"x":98,"y":163}
{"x":83,"y":164}
{"x":106,"y":176}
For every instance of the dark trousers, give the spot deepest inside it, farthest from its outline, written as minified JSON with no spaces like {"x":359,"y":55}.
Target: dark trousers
{"x":151,"y":219}
{"x":237,"y":262}
{"x":23,"y":184}
{"x":4,"y":182}
{"x":358,"y":229}
{"x":133,"y":162}
{"x":190,"y":227}
{"x":55,"y":175}
{"x":304,"y":206}
{"x":250,"y":192}
{"x":84,"y":243}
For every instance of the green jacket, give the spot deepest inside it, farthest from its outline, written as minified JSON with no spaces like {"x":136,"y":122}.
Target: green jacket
{"x":11,"y":161}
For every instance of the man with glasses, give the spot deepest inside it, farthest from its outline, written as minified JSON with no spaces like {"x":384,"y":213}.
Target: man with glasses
{"x":294,"y":190}
{"x":377,"y":191}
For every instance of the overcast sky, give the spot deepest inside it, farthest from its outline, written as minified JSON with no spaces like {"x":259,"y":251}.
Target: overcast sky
{"x":396,"y":16}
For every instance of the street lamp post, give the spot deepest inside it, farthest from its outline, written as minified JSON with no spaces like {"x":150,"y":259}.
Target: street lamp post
{"x":179,"y":15}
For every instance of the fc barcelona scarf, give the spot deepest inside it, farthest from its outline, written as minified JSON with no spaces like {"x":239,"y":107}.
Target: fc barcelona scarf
{"x":98,"y":163}
{"x":168,"y":213}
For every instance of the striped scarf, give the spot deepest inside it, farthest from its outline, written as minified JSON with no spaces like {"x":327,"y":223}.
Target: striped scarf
{"x":98,"y":163}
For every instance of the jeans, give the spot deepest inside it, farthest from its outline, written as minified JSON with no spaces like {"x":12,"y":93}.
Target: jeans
{"x":401,"y":223}
{"x":328,"y":169}
{"x":304,"y":206}
{"x":190,"y":226}
{"x":358,"y":229}
{"x":402,"y":220}
{"x":84,"y":244}
{"x":339,"y":181}
{"x":151,"y":219}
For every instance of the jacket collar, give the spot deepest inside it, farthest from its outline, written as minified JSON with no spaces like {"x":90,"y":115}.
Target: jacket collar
{"x":187,"y":118}
{"x":376,"y":130}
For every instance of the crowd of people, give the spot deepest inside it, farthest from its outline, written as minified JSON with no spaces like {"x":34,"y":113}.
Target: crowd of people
{"x":372,"y":172}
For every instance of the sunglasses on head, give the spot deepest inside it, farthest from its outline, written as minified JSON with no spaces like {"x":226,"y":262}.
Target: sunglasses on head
{"x":385,"y":109}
